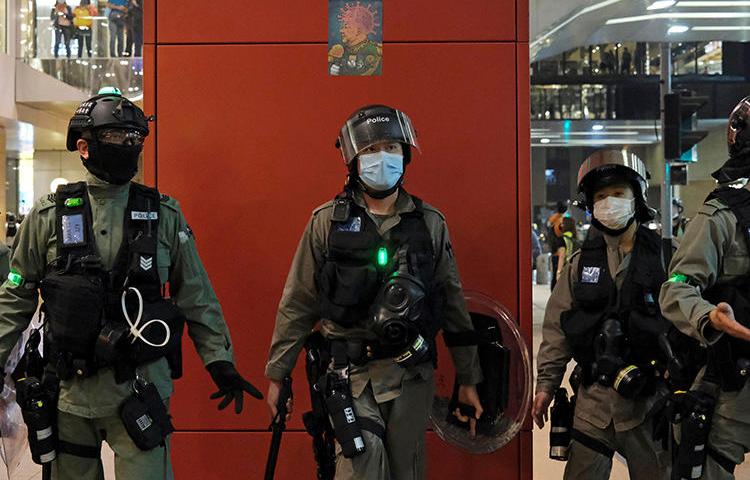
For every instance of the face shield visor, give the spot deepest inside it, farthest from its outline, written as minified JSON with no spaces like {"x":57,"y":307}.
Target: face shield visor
{"x":375,"y":125}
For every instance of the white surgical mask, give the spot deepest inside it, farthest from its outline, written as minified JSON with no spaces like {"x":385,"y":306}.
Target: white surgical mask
{"x":381,"y":170}
{"x":614,"y":213}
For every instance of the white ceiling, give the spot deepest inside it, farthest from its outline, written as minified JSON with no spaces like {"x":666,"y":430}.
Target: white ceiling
{"x":559,"y":26}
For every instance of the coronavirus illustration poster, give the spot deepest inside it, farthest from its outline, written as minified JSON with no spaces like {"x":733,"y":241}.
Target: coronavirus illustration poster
{"x":355,"y":37}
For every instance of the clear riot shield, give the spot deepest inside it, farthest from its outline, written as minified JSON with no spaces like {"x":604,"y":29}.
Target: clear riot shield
{"x":506,"y":391}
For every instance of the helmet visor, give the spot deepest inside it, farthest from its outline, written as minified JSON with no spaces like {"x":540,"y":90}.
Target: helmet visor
{"x":610,"y":163}
{"x":381,"y":126}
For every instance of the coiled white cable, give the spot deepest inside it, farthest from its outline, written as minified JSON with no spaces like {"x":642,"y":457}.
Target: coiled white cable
{"x":134,"y":330}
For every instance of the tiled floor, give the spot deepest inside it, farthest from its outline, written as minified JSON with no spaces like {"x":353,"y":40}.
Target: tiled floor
{"x":28,"y":470}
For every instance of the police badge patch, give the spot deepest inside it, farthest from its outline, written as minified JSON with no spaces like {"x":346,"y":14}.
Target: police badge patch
{"x":590,"y":274}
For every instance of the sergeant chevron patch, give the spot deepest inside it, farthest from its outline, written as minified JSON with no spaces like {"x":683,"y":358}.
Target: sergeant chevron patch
{"x":147,"y":263}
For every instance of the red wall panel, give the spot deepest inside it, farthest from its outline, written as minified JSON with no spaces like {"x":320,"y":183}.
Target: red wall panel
{"x":149,"y":22}
{"x":263,"y":21}
{"x":267,"y":138}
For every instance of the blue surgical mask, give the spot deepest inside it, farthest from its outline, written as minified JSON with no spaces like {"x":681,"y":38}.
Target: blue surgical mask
{"x":381,"y":170}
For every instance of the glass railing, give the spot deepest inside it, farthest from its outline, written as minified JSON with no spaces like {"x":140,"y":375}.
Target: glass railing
{"x":576,"y":102}
{"x":632,"y":58}
{"x":90,"y":75}
{"x":87,"y":51}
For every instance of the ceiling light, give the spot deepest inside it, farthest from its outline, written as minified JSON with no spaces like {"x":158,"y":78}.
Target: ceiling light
{"x":597,"y":127}
{"x":721,"y":28}
{"x":659,"y":4}
{"x":544,"y":140}
{"x":714,"y":4}
{"x":678,"y":29}
{"x":56,"y":183}
{"x":676,"y":15}
{"x":591,"y":8}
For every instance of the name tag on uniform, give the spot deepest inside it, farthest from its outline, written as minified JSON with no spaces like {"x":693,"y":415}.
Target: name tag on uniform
{"x":72,"y":229}
{"x":591,"y":274}
{"x":144,"y":215}
{"x":354,"y":224}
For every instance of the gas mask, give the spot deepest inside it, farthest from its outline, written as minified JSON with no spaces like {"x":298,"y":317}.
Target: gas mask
{"x":396,"y":315}
{"x":616,"y":214}
{"x":610,"y":368}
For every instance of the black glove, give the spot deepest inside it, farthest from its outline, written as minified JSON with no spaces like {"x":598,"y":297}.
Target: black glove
{"x":231,"y":385}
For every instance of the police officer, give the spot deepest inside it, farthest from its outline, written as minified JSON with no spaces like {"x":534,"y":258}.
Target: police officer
{"x":347,"y":253}
{"x":707,"y":297}
{"x":605,"y":297}
{"x":97,"y":248}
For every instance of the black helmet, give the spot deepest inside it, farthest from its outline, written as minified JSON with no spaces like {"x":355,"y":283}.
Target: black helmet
{"x":108,"y":109}
{"x":738,"y":130}
{"x":610,"y":167}
{"x":373,"y":124}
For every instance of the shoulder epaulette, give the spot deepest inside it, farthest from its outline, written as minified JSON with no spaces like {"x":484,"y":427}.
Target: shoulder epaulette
{"x":712,"y":206}
{"x":325,"y":206}
{"x":169,"y":202}
{"x":47,"y":201}
{"x":429,"y":208}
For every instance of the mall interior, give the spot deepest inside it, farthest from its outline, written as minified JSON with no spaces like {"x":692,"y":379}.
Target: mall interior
{"x":508,"y":97}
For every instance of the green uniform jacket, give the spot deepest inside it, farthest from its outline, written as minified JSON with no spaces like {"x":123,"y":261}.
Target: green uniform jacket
{"x":298,"y":310}
{"x":712,"y":251}
{"x":36,"y":246}
{"x":596,"y":404}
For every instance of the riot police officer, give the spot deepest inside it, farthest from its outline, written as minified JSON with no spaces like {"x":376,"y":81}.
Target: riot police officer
{"x":707,"y":297}
{"x":100,"y":253}
{"x":603,"y":314}
{"x":372,"y":247}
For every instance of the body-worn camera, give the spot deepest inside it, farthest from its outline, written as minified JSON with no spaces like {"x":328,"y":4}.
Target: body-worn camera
{"x":610,"y":368}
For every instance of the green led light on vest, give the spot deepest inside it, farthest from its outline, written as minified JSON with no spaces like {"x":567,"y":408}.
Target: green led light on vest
{"x":73,"y":202}
{"x":110,"y":91}
{"x":382,"y":256}
{"x":15,"y":279}
{"x":678,"y":278}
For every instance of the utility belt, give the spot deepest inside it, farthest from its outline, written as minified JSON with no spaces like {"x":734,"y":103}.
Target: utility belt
{"x":361,"y":352}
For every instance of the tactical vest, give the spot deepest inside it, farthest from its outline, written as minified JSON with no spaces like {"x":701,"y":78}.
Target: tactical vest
{"x":355,"y":264}
{"x":82,"y":301}
{"x":727,"y":353}
{"x":596,"y":298}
